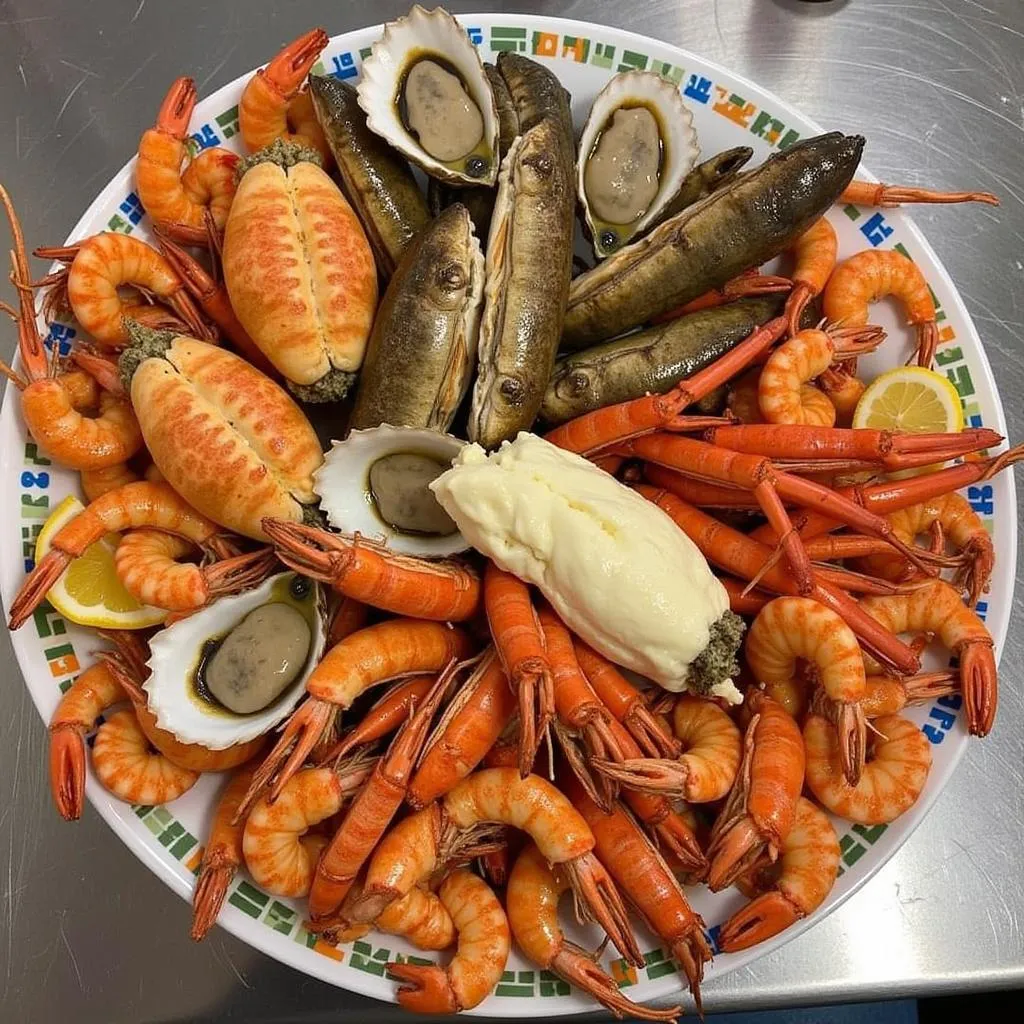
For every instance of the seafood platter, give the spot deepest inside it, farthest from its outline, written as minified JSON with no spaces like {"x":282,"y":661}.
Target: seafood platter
{"x":465,"y":463}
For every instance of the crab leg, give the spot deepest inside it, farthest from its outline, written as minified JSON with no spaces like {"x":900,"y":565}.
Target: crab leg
{"x":736,"y":553}
{"x":770,"y":486}
{"x":885,"y":448}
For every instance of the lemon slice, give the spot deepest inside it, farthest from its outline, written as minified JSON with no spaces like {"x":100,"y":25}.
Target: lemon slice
{"x":913,"y":399}
{"x":88,"y":591}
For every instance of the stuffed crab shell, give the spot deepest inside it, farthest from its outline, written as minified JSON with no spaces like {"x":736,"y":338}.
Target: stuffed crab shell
{"x":227,"y":438}
{"x":300,"y":272}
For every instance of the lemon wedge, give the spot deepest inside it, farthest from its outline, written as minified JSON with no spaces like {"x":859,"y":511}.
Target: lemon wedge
{"x":913,"y":399}
{"x":88,"y":591}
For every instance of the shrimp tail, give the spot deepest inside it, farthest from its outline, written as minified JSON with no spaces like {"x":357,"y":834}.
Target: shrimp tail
{"x":646,"y":774}
{"x":650,"y":733}
{"x":240,"y":573}
{"x":691,"y":951}
{"x":736,"y":849}
{"x":596,"y":894}
{"x":209,"y":895}
{"x":425,"y":988}
{"x":36,"y":586}
{"x":536,"y":711}
{"x":308,"y":723}
{"x":303,"y":548}
{"x":574,"y":965}
{"x":67,"y":770}
{"x":980,"y":685}
{"x":102,"y":369}
{"x":852,"y":730}
{"x":677,"y":840}
{"x":796,"y":303}
{"x":764,"y":916}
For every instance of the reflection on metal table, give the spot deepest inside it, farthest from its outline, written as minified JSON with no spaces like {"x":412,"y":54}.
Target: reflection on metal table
{"x":938,"y":88}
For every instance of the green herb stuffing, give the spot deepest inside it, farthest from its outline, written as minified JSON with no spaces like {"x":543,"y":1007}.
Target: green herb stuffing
{"x":717,"y":662}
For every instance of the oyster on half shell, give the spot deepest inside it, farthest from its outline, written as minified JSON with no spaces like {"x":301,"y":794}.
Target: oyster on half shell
{"x":375,"y":484}
{"x":636,"y":148}
{"x":180,"y":655}
{"x":424,"y":91}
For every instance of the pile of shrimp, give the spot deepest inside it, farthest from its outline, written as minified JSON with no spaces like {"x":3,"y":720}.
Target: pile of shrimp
{"x":499,"y":761}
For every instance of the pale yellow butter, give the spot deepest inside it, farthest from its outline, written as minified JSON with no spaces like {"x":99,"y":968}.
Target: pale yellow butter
{"x":617,"y":570}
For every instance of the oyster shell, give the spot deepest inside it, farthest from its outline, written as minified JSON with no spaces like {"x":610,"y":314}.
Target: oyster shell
{"x":419,"y":58}
{"x":636,"y":148}
{"x":177,"y":699}
{"x":374,"y":483}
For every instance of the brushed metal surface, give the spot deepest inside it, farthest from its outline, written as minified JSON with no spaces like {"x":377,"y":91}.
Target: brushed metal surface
{"x":86,"y":932}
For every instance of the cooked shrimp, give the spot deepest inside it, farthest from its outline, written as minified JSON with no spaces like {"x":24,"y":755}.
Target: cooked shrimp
{"x":191,"y":207}
{"x":711,"y":748}
{"x":961,"y":526}
{"x":744,"y":403}
{"x":57,"y":408}
{"x":54,"y":404}
{"x":478,"y":713}
{"x":373,"y":809}
{"x":147,"y":564}
{"x":420,"y":917}
{"x":781,"y":396}
{"x":647,"y":786}
{"x":386,"y":651}
{"x":534,"y":889}
{"x":704,"y":771}
{"x":222,"y":855}
{"x":626,"y":702}
{"x":96,"y":482}
{"x":584,"y":722}
{"x":135,"y":505}
{"x":99,"y":266}
{"x":815,"y":251}
{"x":86,"y":699}
{"x":417,"y":848}
{"x":534,"y":805}
{"x":648,"y":883}
{"x":899,"y":759}
{"x":791,"y":888}
{"x":935,"y":607}
{"x":789,"y":628}
{"x":869,"y":276}
{"x":843,"y":388}
{"x":279,"y":854}
{"x":759,"y":811}
{"x":386,"y":716}
{"x":742,"y":398}
{"x":888,"y":695}
{"x":484,"y":943}
{"x":870,"y":193}
{"x":127,"y":767}
{"x":264,"y":110}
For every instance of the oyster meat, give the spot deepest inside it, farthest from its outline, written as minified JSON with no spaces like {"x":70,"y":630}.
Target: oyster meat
{"x":425,"y":92}
{"x":376,"y":483}
{"x":235,"y":669}
{"x":635,"y":150}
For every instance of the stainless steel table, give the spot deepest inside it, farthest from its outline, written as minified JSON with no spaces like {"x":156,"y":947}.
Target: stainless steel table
{"x":938,"y":88}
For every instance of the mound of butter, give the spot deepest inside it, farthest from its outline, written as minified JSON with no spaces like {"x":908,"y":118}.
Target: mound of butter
{"x":617,"y":570}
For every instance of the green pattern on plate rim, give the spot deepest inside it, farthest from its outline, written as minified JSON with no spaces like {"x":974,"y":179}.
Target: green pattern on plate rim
{"x":770,"y":126}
